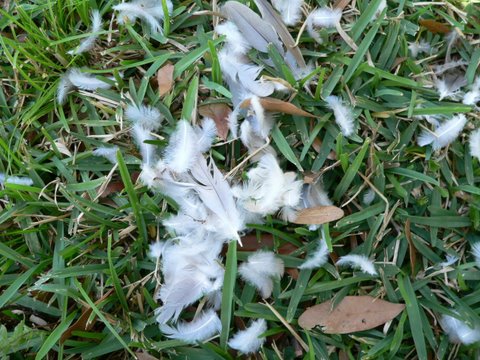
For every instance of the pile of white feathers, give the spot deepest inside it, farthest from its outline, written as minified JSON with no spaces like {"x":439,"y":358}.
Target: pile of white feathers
{"x":213,"y":210}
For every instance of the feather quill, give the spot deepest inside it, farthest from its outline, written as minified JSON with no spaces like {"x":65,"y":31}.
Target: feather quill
{"x":458,"y":331}
{"x":204,"y":326}
{"x":343,"y":114}
{"x":88,"y":43}
{"x":319,"y":257}
{"x":444,"y":134}
{"x":474,"y":143}
{"x":109,"y":153}
{"x":358,"y":262}
{"x":248,"y":341}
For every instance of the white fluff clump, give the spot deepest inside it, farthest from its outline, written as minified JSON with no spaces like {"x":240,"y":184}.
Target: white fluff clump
{"x":473,"y":96}
{"x":260,"y":269}
{"x":109,"y":153}
{"x":150,"y":11}
{"x":368,"y":196}
{"x":458,"y":331}
{"x":248,"y":341}
{"x":235,"y":41}
{"x":156,"y":249}
{"x":358,"y":262}
{"x":319,"y":257}
{"x":474,"y":143}
{"x":204,"y":326}
{"x":343,"y":114}
{"x":417,"y":48}
{"x":4,"y":179}
{"x":323,"y":18}
{"x":291,"y":10}
{"x":88,"y":43}
{"x":476,"y":253}
{"x":444,"y":134}
{"x":148,"y":117}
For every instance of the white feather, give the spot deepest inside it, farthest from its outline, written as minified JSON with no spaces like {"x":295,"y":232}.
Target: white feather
{"x":146,"y":150}
{"x":381,"y":7}
{"x":206,"y":134}
{"x":86,"y":81}
{"x":368,"y":196}
{"x":318,"y":258}
{"x":109,"y":153}
{"x":440,"y":69}
{"x":232,"y":120}
{"x":64,"y":86}
{"x":156,"y":249}
{"x":358,"y":262}
{"x":182,"y":149}
{"x":288,"y":213}
{"x":262,"y":123}
{"x":150,"y":11}
{"x":450,"y":260}
{"x":476,"y":253}
{"x":235,"y":40}
{"x":325,"y":17}
{"x":248,"y":341}
{"x":418,"y":48}
{"x":458,"y":331}
{"x":343,"y":114}
{"x":254,"y":142}
{"x":147,"y":117}
{"x":15,"y":180}
{"x":291,"y":10}
{"x":315,"y":195}
{"x":260,"y":269}
{"x":292,"y":190}
{"x":204,"y":326}
{"x":450,"y":86}
{"x":444,"y":134}
{"x":473,"y":96}
{"x":474,"y":143}
{"x":88,"y":43}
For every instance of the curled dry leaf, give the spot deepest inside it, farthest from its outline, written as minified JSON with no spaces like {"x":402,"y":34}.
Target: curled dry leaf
{"x":165,"y":78}
{"x":435,"y":26}
{"x":318,"y":215}
{"x":354,"y":313}
{"x":219,"y":112}
{"x":275,"y":105}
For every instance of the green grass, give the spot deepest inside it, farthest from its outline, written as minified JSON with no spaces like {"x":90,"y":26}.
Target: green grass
{"x":64,"y":249}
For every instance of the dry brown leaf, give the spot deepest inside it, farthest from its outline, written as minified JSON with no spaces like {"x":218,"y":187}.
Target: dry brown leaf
{"x":318,"y":215}
{"x":165,"y":78}
{"x":252,"y":243}
{"x":219,"y":112}
{"x":354,"y":313}
{"x":276,"y":105}
{"x":434,"y":26}
{"x":144,"y":356}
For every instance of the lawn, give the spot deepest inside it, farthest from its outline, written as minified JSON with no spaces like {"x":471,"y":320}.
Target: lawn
{"x":341,"y":161}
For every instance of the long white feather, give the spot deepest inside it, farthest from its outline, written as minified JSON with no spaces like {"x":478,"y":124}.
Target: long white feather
{"x":319,"y":257}
{"x":343,"y":114}
{"x":88,"y":43}
{"x":64,"y":86}
{"x":260,"y":269}
{"x":444,"y":134}
{"x":458,"y":331}
{"x":86,"y":81}
{"x":474,"y":143}
{"x":204,"y":326}
{"x":182,"y":149}
{"x":15,"y":180}
{"x":291,"y":10}
{"x":248,"y":341}
{"x":109,"y":153}
{"x":146,"y":116}
{"x":358,"y":262}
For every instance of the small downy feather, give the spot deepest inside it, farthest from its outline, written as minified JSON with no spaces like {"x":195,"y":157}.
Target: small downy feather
{"x":291,"y":10}
{"x":64,"y":86}
{"x":156,"y":249}
{"x":204,"y":326}
{"x":263,"y":122}
{"x":324,"y":18}
{"x":86,"y":81}
{"x":248,"y":341}
{"x":140,"y":135}
{"x":450,"y":86}
{"x":476,"y":253}
{"x":88,"y":43}
{"x":458,"y":331}
{"x":358,"y":262}
{"x":318,"y":258}
{"x":147,"y":117}
{"x":343,"y":114}
{"x":235,"y":40}
{"x":182,"y":150}
{"x":474,"y":143}
{"x":109,"y":153}
{"x":417,"y":48}
{"x":444,"y":134}
{"x":473,"y":96}
{"x":15,"y":180}
{"x":449,"y":260}
{"x":206,"y":134}
{"x":150,"y":11}
{"x":259,"y":270}
{"x":368,"y":196}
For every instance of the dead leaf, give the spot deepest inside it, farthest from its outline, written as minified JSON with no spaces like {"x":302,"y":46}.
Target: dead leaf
{"x":318,"y":215}
{"x":434,"y":26}
{"x":354,"y":313}
{"x":165,"y":78}
{"x":144,"y":356}
{"x":219,"y":112}
{"x":276,"y":105}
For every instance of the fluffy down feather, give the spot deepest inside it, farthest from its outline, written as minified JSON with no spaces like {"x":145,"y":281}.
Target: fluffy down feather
{"x":368,"y":196}
{"x":86,"y":81}
{"x":248,"y":341}
{"x":444,"y":134}
{"x":204,"y":326}
{"x":359,"y":262}
{"x":182,"y":149}
{"x":325,"y":17}
{"x":318,"y":258}
{"x":150,"y":11}
{"x":458,"y":331}
{"x":140,"y":135}
{"x":64,"y":86}
{"x":235,"y":43}
{"x":343,"y":114}
{"x":88,"y":43}
{"x":260,"y":269}
{"x":450,"y":86}
{"x":109,"y":153}
{"x":291,"y":10}
{"x":146,"y":116}
{"x":474,"y":143}
{"x":473,"y":96}
{"x":156,"y":249}
{"x":418,"y":48}
{"x":15,"y":180}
